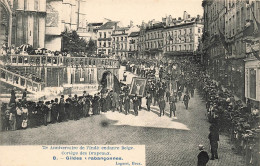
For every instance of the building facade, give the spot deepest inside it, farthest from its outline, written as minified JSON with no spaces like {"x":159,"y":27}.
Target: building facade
{"x":225,"y":31}
{"x":182,"y":39}
{"x":120,"y":42}
{"x":154,"y":40}
{"x":170,"y":37}
{"x":133,"y":44}
{"x":104,"y":41}
{"x":23,"y":22}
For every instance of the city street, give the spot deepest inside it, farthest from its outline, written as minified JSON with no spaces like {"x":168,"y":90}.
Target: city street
{"x":168,"y":141}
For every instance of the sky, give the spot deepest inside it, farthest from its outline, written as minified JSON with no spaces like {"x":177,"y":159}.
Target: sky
{"x":138,"y":10}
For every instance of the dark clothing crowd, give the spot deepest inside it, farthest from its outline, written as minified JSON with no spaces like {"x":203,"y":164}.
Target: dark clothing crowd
{"x":228,"y":115}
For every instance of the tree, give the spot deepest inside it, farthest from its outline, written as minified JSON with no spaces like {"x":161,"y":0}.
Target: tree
{"x":72,"y":42}
{"x":91,"y":47}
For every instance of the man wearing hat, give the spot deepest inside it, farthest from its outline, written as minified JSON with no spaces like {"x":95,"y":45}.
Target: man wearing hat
{"x":203,"y":157}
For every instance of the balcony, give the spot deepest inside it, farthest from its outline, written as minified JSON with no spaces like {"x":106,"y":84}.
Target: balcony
{"x":56,"y":61}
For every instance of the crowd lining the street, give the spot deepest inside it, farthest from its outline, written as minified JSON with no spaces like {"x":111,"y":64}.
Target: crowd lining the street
{"x":177,"y":82}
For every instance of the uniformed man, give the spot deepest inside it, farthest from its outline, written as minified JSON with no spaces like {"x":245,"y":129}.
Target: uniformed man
{"x":186,"y":99}
{"x":135,"y":104}
{"x":213,"y":139}
{"x":161,"y":106}
{"x":172,"y":108}
{"x":148,"y":101}
{"x":126,"y":104}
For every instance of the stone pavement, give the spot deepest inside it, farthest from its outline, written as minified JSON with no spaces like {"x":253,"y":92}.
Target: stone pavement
{"x":168,"y":141}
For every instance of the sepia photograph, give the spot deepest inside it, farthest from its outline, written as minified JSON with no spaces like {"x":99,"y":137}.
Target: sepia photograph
{"x":130,"y":82}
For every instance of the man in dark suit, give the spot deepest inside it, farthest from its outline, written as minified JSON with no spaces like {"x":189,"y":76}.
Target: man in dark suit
{"x":161,"y":106}
{"x":213,"y":139}
{"x":203,"y":156}
{"x":148,"y":101}
{"x":135,"y":104}
{"x":186,"y":99}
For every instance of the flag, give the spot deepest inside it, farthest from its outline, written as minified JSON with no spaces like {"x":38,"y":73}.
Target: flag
{"x":223,"y":41}
{"x":170,"y":38}
{"x":117,"y":86}
{"x":255,"y":53}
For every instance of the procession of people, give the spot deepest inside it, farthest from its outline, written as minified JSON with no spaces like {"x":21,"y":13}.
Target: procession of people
{"x":167,"y":84}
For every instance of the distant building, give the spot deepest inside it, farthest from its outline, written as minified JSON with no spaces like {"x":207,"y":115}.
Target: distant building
{"x":154,"y":40}
{"x":133,"y":40}
{"x":182,"y":36}
{"x":104,"y":38}
{"x":120,"y":42}
{"x":170,"y":37}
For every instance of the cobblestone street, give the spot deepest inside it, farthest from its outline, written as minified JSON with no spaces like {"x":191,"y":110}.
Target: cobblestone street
{"x":168,"y":141}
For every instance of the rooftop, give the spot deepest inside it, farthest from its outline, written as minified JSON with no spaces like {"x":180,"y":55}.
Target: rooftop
{"x":108,"y":25}
{"x":134,"y":34}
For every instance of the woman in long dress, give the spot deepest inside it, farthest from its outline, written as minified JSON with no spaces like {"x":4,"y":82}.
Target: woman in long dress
{"x":12,"y":119}
{"x":24,"y":117}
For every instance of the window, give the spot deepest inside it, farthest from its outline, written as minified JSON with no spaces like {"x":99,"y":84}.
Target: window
{"x":122,"y":38}
{"x":191,"y":47}
{"x":199,"y":30}
{"x":100,"y":44}
{"x":117,"y":39}
{"x":179,"y":47}
{"x":179,"y":32}
{"x":105,"y":35}
{"x":109,"y":44}
{"x":100,"y":34}
{"x":125,"y":38}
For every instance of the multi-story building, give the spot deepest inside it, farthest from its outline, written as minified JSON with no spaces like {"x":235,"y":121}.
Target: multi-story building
{"x":214,"y":24}
{"x":104,"y":41}
{"x":228,"y":56}
{"x":120,"y":42}
{"x":63,"y":15}
{"x":133,"y":44}
{"x":183,"y":36}
{"x":171,"y":37}
{"x":154,"y":40}
{"x":22,"y":22}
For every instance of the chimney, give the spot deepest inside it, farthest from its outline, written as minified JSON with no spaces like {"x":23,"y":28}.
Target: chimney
{"x":131,"y":23}
{"x":185,"y":15}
